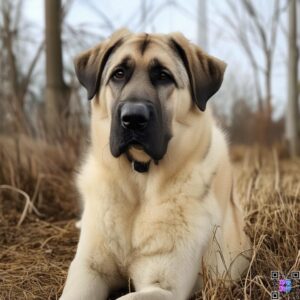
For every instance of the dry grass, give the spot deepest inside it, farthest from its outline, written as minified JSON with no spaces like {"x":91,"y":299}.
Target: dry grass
{"x":38,"y":208}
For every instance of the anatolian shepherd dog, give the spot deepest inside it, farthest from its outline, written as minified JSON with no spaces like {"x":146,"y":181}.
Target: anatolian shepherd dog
{"x":157,"y":181}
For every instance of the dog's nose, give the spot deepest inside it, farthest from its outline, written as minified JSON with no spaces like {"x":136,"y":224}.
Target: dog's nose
{"x":134,"y":115}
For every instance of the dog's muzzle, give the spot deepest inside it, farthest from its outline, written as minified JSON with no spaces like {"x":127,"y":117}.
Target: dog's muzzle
{"x":138,"y":123}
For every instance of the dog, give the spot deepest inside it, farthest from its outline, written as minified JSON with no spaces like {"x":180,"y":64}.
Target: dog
{"x":156,"y":182}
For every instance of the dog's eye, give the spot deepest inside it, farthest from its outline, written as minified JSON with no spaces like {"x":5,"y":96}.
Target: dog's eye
{"x":118,"y":74}
{"x":161,"y":77}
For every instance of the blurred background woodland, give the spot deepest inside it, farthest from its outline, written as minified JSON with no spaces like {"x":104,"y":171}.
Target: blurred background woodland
{"x":258,"y":103}
{"x":44,"y":120}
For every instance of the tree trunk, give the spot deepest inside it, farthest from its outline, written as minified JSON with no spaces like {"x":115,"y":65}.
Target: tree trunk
{"x":292,"y":116}
{"x":57,"y":97}
{"x":269,"y":87}
{"x":268,"y":105}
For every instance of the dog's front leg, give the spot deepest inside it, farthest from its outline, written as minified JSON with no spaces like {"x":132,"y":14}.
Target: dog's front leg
{"x":151,"y":293}
{"x":92,"y":271}
{"x":169,"y":254}
{"x":169,"y":276}
{"x":84,"y":283}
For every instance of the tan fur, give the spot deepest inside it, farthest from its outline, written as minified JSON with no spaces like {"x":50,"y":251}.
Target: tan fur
{"x":157,"y":228}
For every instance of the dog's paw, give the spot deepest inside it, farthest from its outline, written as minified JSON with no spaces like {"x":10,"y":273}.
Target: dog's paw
{"x":153,"y":294}
{"x":130,"y":296}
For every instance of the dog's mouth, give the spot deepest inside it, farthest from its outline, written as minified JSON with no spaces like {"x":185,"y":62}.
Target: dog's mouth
{"x":134,"y":144}
{"x":137,"y":146}
{"x":138,"y":152}
{"x":138,"y":158}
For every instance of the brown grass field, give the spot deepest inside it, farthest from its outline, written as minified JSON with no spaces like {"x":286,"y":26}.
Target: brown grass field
{"x":39,"y":207}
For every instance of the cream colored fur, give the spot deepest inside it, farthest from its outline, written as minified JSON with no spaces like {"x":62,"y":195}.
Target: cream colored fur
{"x":157,"y":228}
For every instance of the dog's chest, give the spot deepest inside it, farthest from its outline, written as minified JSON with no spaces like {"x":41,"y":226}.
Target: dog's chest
{"x":118,"y":220}
{"x":132,"y":231}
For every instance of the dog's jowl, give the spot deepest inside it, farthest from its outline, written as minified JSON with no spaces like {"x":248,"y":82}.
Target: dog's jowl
{"x":156,"y":183}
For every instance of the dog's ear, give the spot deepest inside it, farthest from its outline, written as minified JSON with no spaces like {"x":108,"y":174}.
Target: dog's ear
{"x":205,"y":72}
{"x":90,"y":64}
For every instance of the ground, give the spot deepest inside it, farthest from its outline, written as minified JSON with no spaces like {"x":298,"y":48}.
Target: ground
{"x":37,"y":243}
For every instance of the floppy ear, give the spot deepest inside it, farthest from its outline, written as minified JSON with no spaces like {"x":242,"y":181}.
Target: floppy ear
{"x":205,"y":72}
{"x":90,"y":64}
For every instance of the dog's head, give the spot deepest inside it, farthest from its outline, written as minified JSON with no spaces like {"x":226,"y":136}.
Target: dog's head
{"x":142,"y":82}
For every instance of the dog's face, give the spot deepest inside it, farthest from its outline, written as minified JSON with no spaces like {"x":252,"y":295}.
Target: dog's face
{"x":147,"y":81}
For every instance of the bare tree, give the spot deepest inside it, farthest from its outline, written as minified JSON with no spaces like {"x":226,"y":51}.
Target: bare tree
{"x":252,"y":33}
{"x":57,"y":92}
{"x":14,"y":80}
{"x":292,"y":115}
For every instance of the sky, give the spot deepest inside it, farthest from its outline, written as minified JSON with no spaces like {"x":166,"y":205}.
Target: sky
{"x":89,"y":15}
